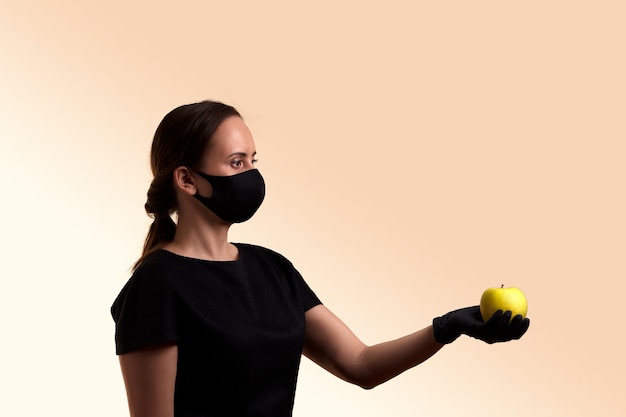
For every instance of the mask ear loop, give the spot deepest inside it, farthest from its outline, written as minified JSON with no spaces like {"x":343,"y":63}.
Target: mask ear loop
{"x":204,"y":177}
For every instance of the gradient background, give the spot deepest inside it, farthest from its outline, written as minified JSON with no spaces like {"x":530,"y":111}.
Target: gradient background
{"x":415,"y":154}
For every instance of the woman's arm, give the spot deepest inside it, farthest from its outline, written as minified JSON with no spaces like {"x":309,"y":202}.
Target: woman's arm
{"x":149,"y":376}
{"x":332,"y":345}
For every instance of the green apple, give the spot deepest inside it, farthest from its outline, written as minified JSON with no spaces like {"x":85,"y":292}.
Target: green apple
{"x":504,"y":299}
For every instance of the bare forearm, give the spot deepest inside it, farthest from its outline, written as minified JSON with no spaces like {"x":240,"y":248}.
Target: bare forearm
{"x":381,"y":362}
{"x":332,"y":345}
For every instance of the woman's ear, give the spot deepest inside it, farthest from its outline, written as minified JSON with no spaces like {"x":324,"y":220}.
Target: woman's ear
{"x":184,"y":180}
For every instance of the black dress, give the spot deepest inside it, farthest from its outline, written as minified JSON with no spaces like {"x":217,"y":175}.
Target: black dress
{"x":239,"y":327}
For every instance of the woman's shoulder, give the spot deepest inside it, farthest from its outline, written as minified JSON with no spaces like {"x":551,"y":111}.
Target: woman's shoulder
{"x":158,"y":262}
{"x":153,"y":278}
{"x":158,"y":269}
{"x":247,"y":249}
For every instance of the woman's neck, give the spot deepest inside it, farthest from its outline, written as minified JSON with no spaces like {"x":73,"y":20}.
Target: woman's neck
{"x":202,"y":240}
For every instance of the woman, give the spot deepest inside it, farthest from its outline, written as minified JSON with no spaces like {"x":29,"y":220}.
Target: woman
{"x":205,"y":327}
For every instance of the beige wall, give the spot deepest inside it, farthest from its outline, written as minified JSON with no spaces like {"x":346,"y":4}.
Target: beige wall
{"x":414,"y":155}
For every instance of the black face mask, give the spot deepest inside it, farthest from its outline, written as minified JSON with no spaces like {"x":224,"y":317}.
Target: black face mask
{"x":236,"y":197}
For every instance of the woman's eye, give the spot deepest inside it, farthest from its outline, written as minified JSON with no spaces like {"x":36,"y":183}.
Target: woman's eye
{"x":238,"y":163}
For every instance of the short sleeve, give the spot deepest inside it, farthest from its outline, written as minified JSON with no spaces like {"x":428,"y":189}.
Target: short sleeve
{"x":145,"y":311}
{"x":308,"y":298}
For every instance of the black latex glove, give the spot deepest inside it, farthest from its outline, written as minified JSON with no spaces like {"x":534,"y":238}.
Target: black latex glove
{"x":499,"y":328}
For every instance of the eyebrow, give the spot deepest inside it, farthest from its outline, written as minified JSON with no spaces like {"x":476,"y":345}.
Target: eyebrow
{"x":240,"y":154}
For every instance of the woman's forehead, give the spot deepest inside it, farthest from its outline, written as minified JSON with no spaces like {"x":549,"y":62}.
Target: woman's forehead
{"x":232,"y":136}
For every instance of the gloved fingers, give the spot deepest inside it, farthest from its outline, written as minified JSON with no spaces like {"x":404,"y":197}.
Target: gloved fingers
{"x":497,"y":316}
{"x":523,"y":328}
{"x":513,"y":329}
{"x":506,"y":317}
{"x":516,"y":329}
{"x":498,"y":322}
{"x":491,"y":330}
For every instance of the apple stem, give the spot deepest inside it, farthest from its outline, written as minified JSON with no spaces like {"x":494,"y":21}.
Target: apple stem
{"x":502,"y":286}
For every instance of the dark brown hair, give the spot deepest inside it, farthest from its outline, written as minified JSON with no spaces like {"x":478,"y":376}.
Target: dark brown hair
{"x":180,"y":140}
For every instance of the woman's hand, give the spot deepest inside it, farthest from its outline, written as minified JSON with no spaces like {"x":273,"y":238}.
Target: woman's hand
{"x":499,"y":328}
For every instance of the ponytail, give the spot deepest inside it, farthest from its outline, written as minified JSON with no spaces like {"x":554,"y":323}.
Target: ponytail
{"x":160,"y":203}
